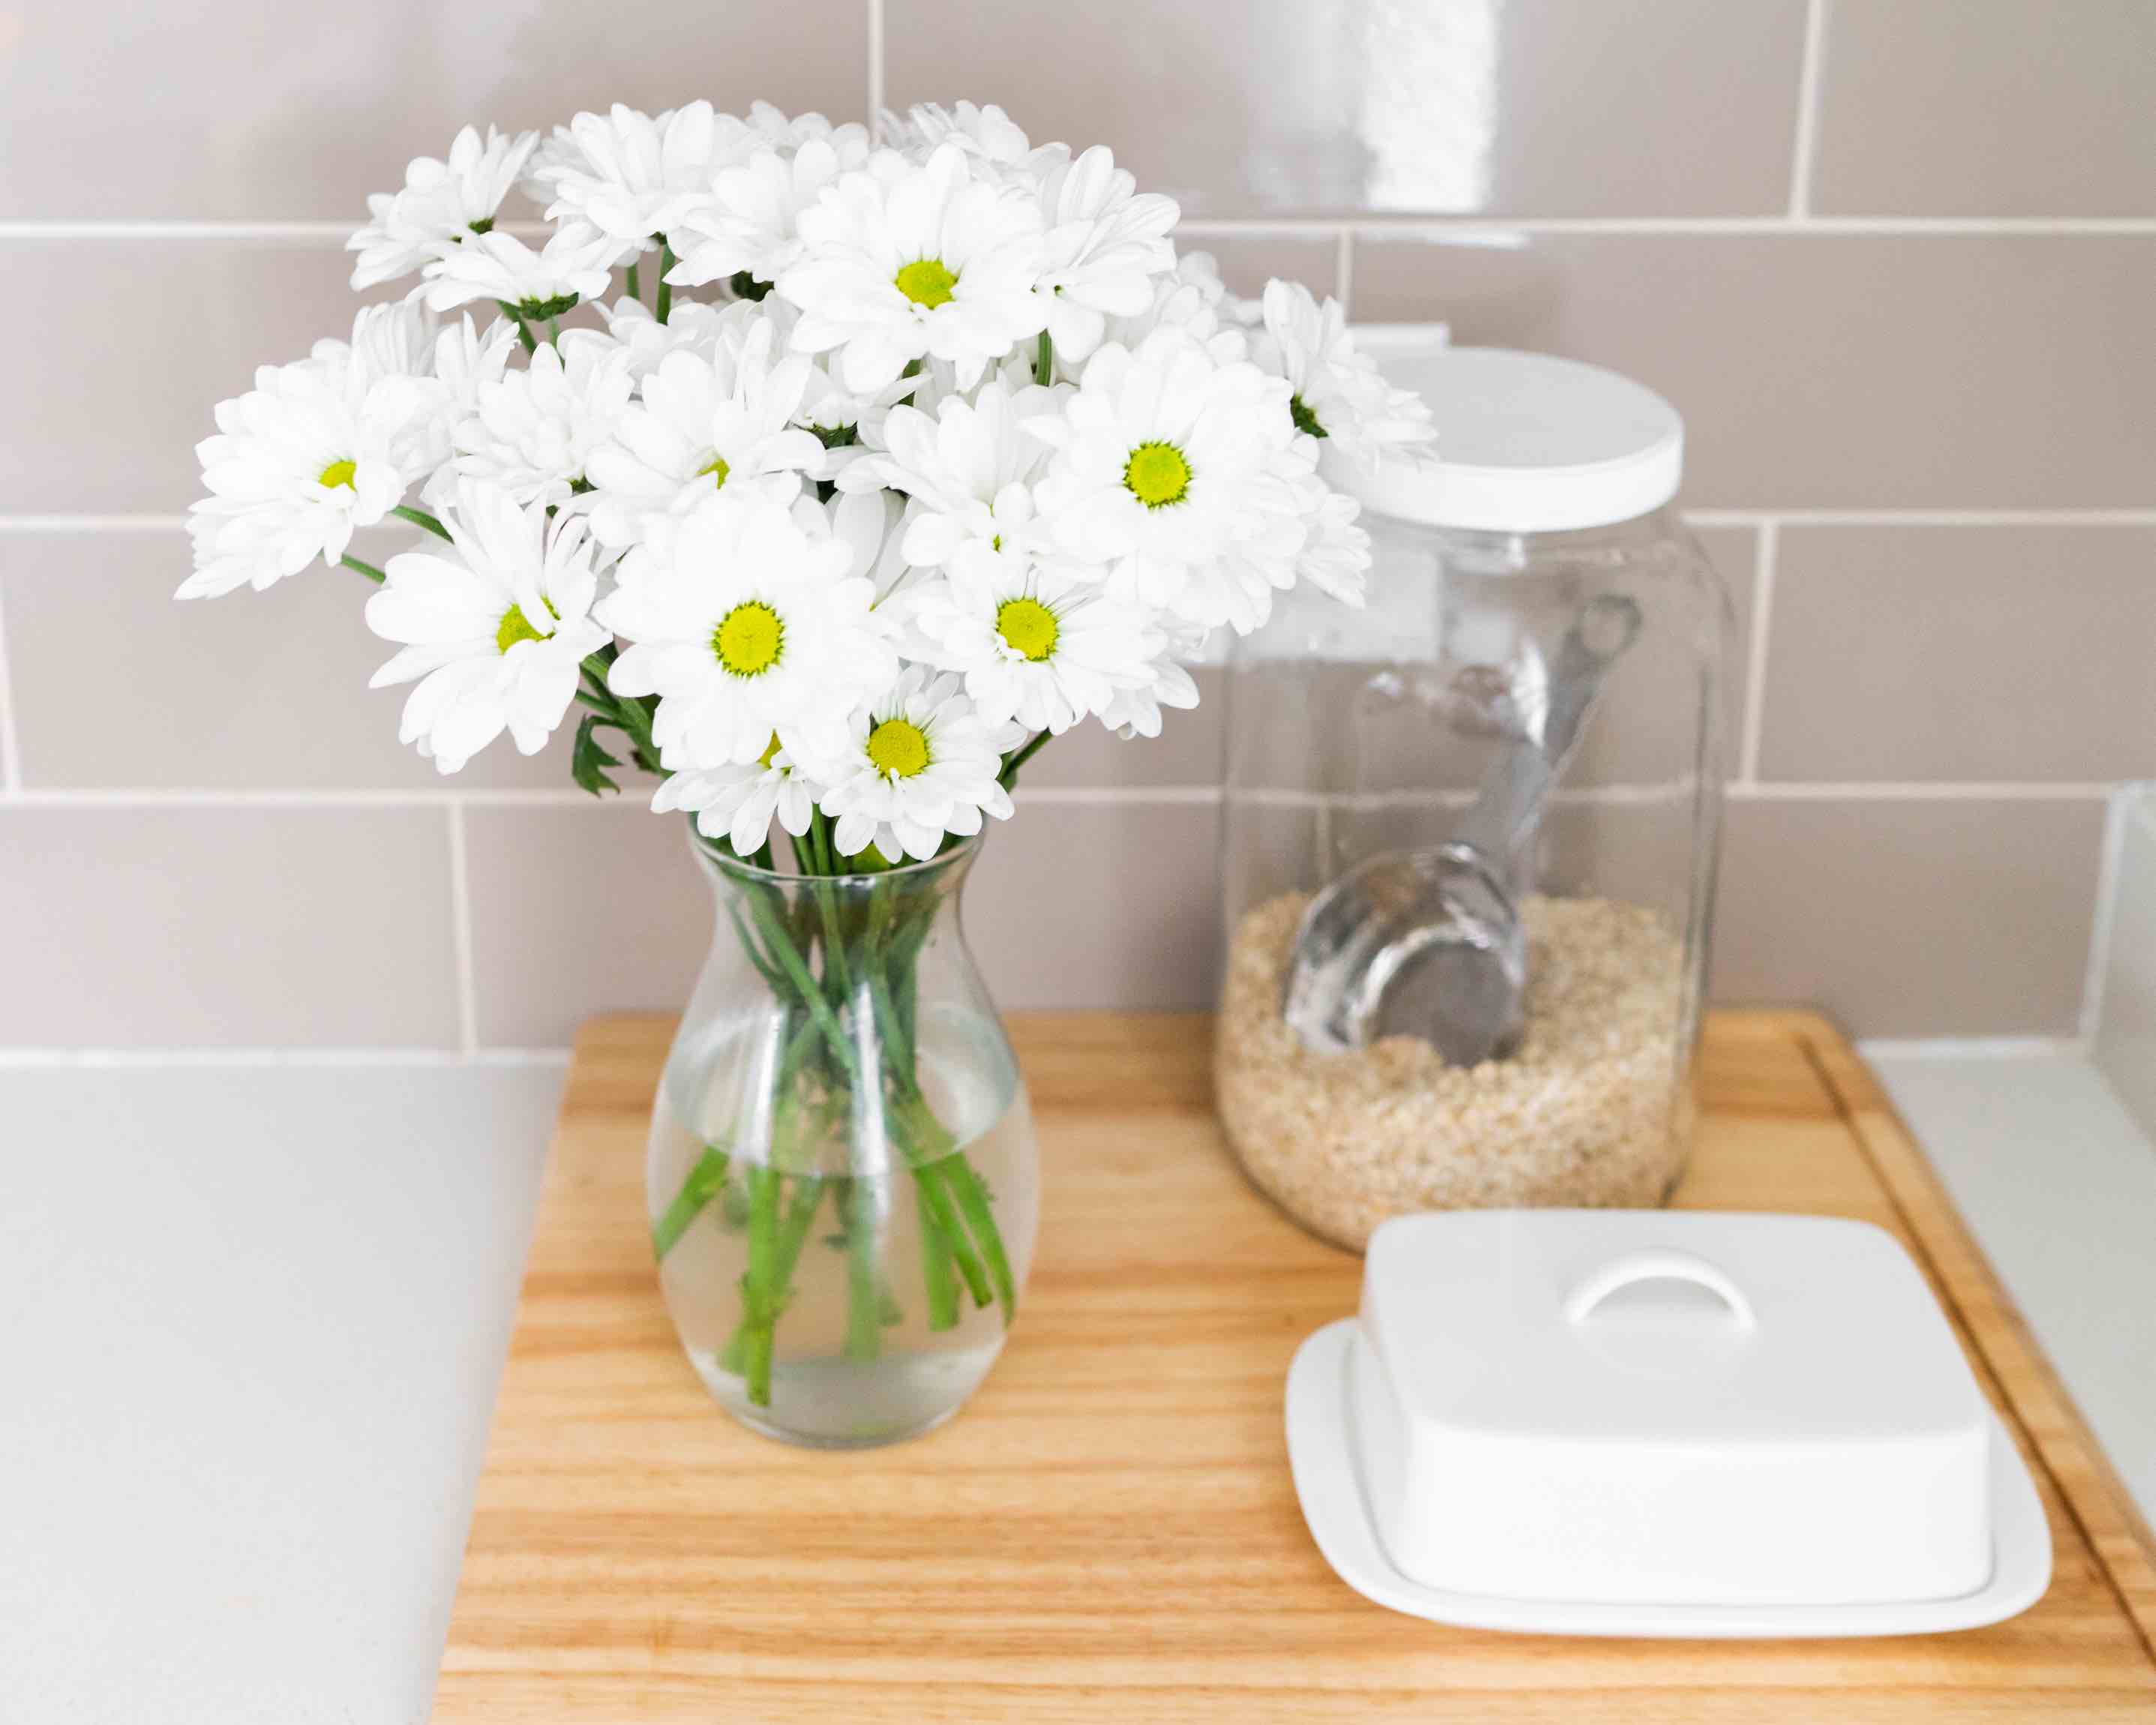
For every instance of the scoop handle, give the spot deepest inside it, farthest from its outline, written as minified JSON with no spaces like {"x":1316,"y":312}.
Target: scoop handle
{"x":1657,"y":1264}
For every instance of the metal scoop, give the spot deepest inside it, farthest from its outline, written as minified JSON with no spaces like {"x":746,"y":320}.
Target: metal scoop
{"x":1429,"y":942}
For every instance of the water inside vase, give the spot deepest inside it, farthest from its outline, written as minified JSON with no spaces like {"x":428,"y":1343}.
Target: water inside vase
{"x":835,"y":1380}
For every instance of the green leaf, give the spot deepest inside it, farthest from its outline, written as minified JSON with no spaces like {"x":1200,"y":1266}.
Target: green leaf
{"x":588,"y":760}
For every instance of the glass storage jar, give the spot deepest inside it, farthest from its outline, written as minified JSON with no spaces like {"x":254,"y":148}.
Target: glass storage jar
{"x":1469,"y":831}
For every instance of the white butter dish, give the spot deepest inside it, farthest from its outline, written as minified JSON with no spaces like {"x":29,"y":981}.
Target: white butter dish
{"x":1668,"y":1410}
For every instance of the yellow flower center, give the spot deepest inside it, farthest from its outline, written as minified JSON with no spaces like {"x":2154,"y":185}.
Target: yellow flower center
{"x":338,"y":473}
{"x":926,"y":282}
{"x":516,"y":626}
{"x":1028,"y":627}
{"x":717,"y":467}
{"x":1156,"y":474}
{"x":749,"y":639}
{"x":899,"y":748}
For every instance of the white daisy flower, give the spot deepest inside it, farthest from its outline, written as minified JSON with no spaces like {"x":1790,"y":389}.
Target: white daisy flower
{"x":1037,"y":646}
{"x":313,"y":451}
{"x":983,"y":131}
{"x":1339,"y":393}
{"x":394,"y":339}
{"x":631,"y":177}
{"x":1106,"y":245}
{"x":775,"y":128}
{"x":1191,"y":298}
{"x":873,"y":525}
{"x":442,"y":203}
{"x":1175,"y":475}
{"x":1336,"y":554}
{"x":919,"y":764}
{"x":744,"y":625}
{"x":738,"y":803}
{"x":691,"y":327}
{"x":849,"y":423}
{"x":577,"y":263}
{"x":748,"y":225}
{"x":535,"y":431}
{"x":496,"y":626}
{"x":971,"y":466}
{"x":1135,"y":711}
{"x":466,"y":360}
{"x":399,"y":339}
{"x":703,"y":422}
{"x":900,"y":260}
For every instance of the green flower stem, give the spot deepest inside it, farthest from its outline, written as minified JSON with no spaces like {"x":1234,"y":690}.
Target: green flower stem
{"x":1044,"y":361}
{"x":368,"y":570}
{"x":763,"y":965}
{"x":792,"y":1235}
{"x":420,"y":518}
{"x":523,"y":329}
{"x":930,"y":1153}
{"x":1019,"y":756}
{"x":804,"y":986}
{"x":554,"y":331}
{"x":864,"y":1281}
{"x":836,"y":971}
{"x":628,"y":711}
{"x":700,"y":1188}
{"x":635,"y":290}
{"x":963,"y":1183}
{"x":759,"y":1282}
{"x":664,"y":303}
{"x":939,"y":1270}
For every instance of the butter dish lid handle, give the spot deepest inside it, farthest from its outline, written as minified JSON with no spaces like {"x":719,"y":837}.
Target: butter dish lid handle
{"x":1656,"y":1264}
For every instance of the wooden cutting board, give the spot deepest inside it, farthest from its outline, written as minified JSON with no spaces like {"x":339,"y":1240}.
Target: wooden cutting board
{"x":1108,"y":1530}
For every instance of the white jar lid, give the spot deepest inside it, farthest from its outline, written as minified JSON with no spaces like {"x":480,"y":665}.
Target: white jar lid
{"x":1527,"y":442}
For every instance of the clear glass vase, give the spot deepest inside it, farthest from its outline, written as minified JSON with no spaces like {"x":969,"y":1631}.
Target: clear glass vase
{"x":843,"y":1177}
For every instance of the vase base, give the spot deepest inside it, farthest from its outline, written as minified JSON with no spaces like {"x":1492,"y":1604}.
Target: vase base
{"x":829,"y":1440}
{"x":852,"y":1405}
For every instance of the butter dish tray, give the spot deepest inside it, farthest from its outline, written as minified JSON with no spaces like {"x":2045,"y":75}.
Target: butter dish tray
{"x":1322,"y":1453}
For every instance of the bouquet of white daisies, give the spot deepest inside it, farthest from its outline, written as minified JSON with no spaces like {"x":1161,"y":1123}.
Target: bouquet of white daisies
{"x":918,"y":452}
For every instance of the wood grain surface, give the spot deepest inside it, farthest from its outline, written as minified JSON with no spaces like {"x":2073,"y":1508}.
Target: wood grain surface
{"x":1108,"y":1530}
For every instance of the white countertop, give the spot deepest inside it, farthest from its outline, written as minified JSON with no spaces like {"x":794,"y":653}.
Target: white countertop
{"x":2058,"y":1184}
{"x":252,"y":1318}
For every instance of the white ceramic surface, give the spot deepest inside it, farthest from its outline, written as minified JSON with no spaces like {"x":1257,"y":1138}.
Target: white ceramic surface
{"x":1663,"y":1406}
{"x":1527,"y":442}
{"x":1322,"y":1452}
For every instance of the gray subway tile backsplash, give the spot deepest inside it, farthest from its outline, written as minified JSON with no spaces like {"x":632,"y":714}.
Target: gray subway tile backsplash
{"x":1834,"y":370}
{"x":1969,"y":344}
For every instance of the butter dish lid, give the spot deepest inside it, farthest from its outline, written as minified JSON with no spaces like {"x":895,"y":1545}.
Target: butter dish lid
{"x":1663,"y":1407}
{"x":1628,"y":1326}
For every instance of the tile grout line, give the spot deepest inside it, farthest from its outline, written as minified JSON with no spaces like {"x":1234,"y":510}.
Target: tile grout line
{"x":2110,"y":860}
{"x":875,"y":69}
{"x":1469,"y":229}
{"x":460,"y":929}
{"x":1804,"y":150}
{"x":1899,"y":790}
{"x":1343,"y":270}
{"x":1755,"y":653}
{"x":10,"y":748}
{"x":1920,"y":517}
